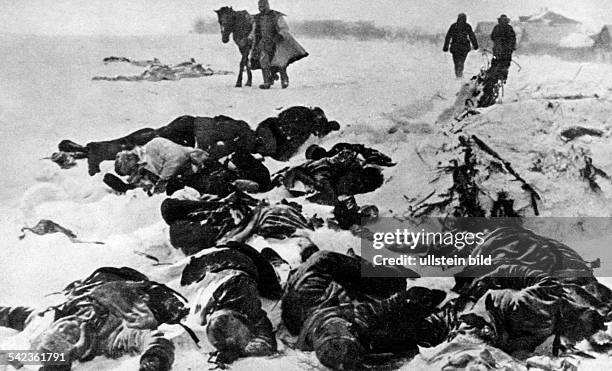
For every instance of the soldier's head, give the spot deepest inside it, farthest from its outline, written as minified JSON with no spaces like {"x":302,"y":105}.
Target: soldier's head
{"x":227,"y":330}
{"x":315,"y":152}
{"x":371,"y":179}
{"x":126,"y":163}
{"x":67,"y":335}
{"x":461,"y":18}
{"x":263,"y":5}
{"x":503,"y":19}
{"x":336,"y":346}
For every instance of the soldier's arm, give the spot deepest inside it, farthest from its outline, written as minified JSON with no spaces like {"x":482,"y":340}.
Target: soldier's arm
{"x":472,"y":37}
{"x":14,"y":317}
{"x":263,"y":342}
{"x":448,"y":37}
{"x":494,"y":33}
{"x":512,"y":36}
{"x":282,"y":27}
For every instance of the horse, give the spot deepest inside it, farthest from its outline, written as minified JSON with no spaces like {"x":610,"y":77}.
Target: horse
{"x":239,"y":23}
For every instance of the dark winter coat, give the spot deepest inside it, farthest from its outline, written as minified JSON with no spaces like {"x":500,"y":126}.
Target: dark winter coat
{"x":282,"y":136}
{"x":271,"y":34}
{"x":390,"y":325}
{"x":125,"y":310}
{"x":222,"y":135}
{"x":504,"y":41}
{"x":328,"y":275}
{"x":232,"y":277}
{"x":459,"y":36}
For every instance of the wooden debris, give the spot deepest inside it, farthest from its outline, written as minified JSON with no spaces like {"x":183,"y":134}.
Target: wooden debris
{"x":535,"y":197}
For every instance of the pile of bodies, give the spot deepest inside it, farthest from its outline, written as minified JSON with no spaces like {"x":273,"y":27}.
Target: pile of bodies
{"x":535,"y":289}
{"x":157,"y":71}
{"x":188,"y":152}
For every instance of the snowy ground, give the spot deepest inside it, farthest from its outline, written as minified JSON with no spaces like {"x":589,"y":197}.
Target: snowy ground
{"x":389,"y":95}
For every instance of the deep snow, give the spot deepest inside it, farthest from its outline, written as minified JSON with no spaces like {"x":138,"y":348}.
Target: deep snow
{"x":388,"y":95}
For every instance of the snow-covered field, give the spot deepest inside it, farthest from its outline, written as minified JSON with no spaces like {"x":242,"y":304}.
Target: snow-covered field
{"x":387,"y":95}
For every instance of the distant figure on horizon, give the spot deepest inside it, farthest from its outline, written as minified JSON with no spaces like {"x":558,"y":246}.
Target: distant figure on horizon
{"x":504,"y":43}
{"x":273,"y":46}
{"x":459,"y":36}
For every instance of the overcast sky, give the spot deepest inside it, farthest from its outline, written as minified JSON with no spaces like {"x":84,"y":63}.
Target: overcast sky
{"x":176,"y":16}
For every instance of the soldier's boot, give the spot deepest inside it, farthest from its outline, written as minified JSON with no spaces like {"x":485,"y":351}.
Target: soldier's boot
{"x":265,"y":73}
{"x":70,"y":146}
{"x":284,"y":78}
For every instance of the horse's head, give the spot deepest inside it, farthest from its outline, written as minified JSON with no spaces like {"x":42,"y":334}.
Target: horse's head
{"x":227,"y":19}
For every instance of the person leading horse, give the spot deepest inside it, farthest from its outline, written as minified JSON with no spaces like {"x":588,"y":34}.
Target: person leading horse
{"x":273,"y":46}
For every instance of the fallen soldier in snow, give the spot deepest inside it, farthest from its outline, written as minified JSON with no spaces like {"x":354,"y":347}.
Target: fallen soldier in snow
{"x":348,"y":214}
{"x":218,"y":136}
{"x":196,"y":225}
{"x":226,"y":282}
{"x":536,"y":288}
{"x":151,"y":166}
{"x":139,"y":63}
{"x":112,"y":313}
{"x":281,"y":137}
{"x":46,"y":226}
{"x":343,"y":316}
{"x":350,"y":170}
{"x":158,"y":72}
{"x":240,"y":171}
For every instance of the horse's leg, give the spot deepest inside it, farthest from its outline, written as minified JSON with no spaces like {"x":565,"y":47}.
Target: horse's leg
{"x":248,"y":68}
{"x":239,"y":82}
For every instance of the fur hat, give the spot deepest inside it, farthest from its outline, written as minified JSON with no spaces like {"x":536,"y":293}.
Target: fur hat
{"x":503,"y":19}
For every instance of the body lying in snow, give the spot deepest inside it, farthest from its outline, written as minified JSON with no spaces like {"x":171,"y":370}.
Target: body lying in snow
{"x":281,"y":137}
{"x":240,"y":171}
{"x":226,"y":283}
{"x":346,"y":171}
{"x":112,"y":313}
{"x":219,"y":136}
{"x":154,"y":164}
{"x":535,"y":288}
{"x":343,"y":316}
{"x":202,"y":223}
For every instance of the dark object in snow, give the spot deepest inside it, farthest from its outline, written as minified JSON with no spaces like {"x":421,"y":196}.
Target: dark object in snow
{"x":535,"y":197}
{"x":346,"y":173}
{"x":199,"y":225}
{"x":347,"y":213}
{"x":272,"y":256}
{"x":281,"y":137}
{"x":116,"y":184}
{"x":46,"y":226}
{"x":65,"y":160}
{"x":156,"y":71}
{"x":466,"y":188}
{"x":503,"y":207}
{"x":139,"y":63}
{"x":578,"y":131}
{"x":118,"y":307}
{"x":590,"y":173}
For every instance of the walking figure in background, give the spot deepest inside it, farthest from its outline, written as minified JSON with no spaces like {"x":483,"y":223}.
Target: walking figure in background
{"x":274,"y":48}
{"x":504,"y":43}
{"x":459,"y":36}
